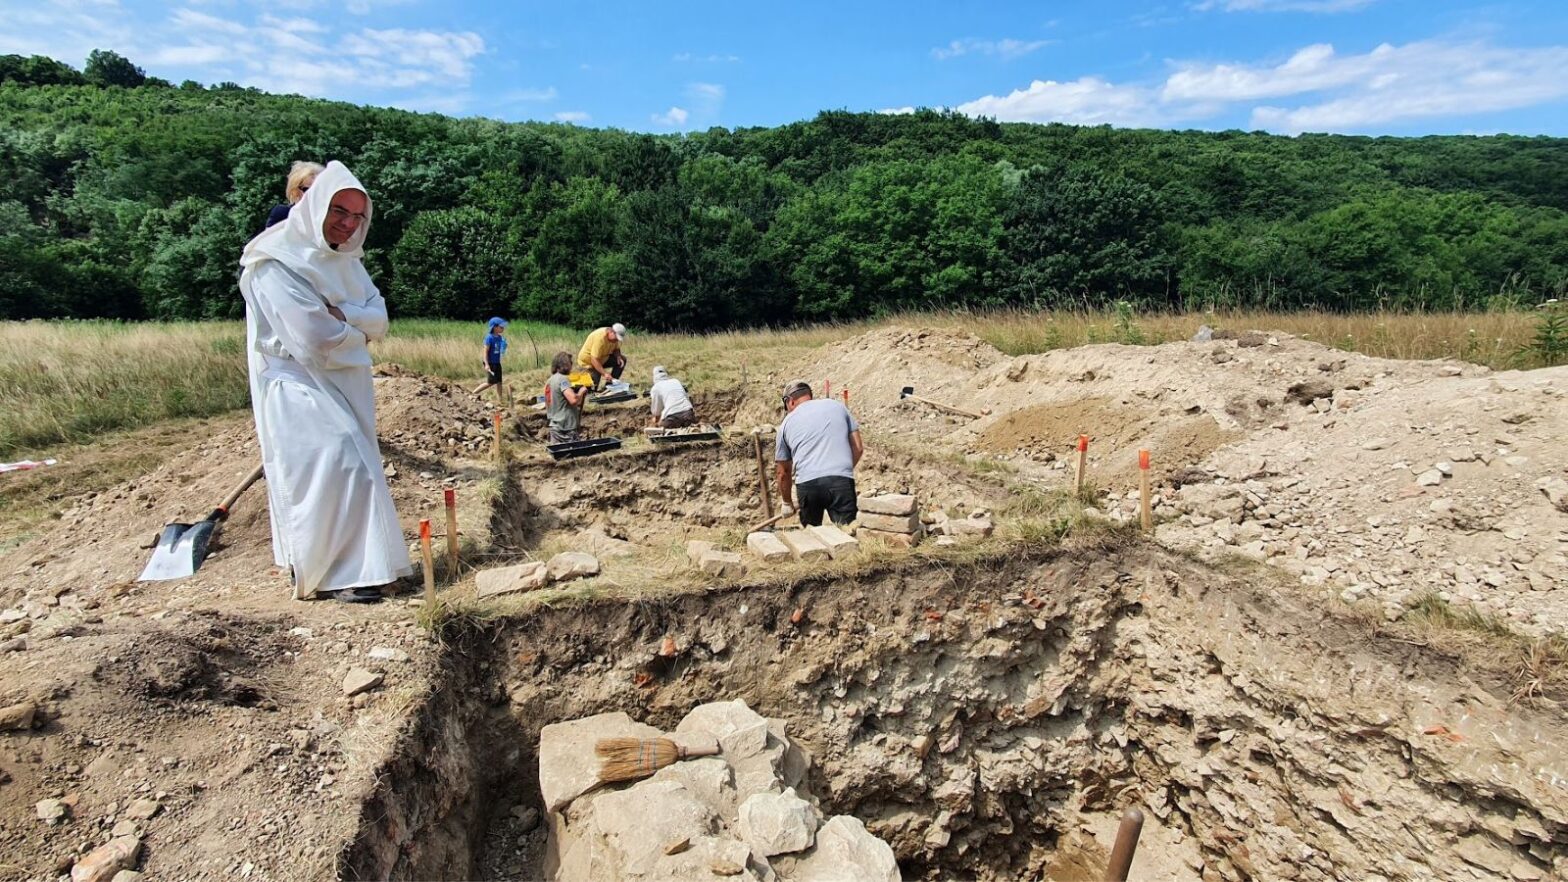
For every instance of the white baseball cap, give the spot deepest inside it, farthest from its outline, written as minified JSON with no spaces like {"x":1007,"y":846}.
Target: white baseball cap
{"x":619,"y":329}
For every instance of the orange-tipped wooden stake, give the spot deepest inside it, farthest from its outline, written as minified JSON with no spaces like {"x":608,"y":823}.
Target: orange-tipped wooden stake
{"x":451,"y":529}
{"x":1083,"y":462}
{"x":429,"y":561}
{"x":497,"y":436}
{"x":845,"y":393}
{"x":1143,"y":489}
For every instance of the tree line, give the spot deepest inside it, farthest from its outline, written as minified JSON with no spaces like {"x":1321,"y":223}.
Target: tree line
{"x":123,"y":195}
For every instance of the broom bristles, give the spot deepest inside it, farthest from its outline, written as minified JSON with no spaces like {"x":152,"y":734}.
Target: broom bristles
{"x":627,"y":759}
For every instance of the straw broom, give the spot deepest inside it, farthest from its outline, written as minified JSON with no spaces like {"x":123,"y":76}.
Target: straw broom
{"x":628,"y":759}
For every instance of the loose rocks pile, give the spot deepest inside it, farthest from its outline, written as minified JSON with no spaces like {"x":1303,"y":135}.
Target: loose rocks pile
{"x":744,"y":814}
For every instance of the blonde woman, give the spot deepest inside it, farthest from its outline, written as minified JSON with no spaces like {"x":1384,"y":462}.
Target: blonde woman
{"x":301,"y":176}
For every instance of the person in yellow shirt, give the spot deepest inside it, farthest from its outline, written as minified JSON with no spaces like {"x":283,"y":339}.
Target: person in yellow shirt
{"x":601,"y":354}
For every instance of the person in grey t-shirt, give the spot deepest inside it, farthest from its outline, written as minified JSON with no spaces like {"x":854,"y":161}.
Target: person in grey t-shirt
{"x":820,"y":443}
{"x":565,"y":401}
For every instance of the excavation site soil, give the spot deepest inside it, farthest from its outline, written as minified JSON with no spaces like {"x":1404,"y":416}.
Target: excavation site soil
{"x":1334,"y":655}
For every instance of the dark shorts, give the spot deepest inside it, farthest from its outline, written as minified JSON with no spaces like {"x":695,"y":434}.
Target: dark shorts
{"x":565,"y":436}
{"x":834,"y":495}
{"x":493,"y":373}
{"x":680,"y":420}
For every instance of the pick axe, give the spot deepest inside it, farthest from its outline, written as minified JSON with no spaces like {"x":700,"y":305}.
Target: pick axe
{"x":909,"y":392}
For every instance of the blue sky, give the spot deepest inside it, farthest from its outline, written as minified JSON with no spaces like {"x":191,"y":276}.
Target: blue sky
{"x":1404,"y":67}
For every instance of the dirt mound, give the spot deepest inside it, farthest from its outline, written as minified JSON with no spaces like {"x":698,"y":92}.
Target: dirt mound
{"x":432,"y":436}
{"x":875,"y":366}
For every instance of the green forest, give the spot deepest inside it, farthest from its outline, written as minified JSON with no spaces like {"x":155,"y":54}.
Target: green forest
{"x":127,"y":196}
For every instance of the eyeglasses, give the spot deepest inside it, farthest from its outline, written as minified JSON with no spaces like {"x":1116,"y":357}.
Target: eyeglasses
{"x":340,"y":213}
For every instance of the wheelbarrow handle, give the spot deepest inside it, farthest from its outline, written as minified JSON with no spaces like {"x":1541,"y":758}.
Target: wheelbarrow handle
{"x":221,"y":513}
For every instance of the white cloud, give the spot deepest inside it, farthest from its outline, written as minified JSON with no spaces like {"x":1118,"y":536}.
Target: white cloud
{"x":1086,"y":101}
{"x":573,"y":116}
{"x":706,"y":91}
{"x":1283,"y":5}
{"x":897,"y":111}
{"x":1315,"y":89}
{"x":519,"y":96}
{"x":714,"y":58}
{"x":1387,"y":84}
{"x":675,"y":117}
{"x":1008,"y":49}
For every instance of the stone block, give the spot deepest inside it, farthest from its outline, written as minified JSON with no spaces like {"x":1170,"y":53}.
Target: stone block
{"x":723,"y":564}
{"x":696,"y":548}
{"x":804,"y":546}
{"x":897,"y":540}
{"x":893,"y":504}
{"x":844,"y":850}
{"x":568,"y":766}
{"x":839,"y":543}
{"x":569,"y":565}
{"x":505,"y":580}
{"x":767,"y":547}
{"x":777,"y":823}
{"x":909,"y":523}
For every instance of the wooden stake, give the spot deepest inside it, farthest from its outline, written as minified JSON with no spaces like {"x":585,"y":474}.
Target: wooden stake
{"x":845,"y":393}
{"x":1143,"y":489}
{"x":1120,"y":864}
{"x":1083,"y":462}
{"x":451,"y":530}
{"x":762,"y":478}
{"x":498,"y":436}
{"x":827,"y":388}
{"x":430,"y":563}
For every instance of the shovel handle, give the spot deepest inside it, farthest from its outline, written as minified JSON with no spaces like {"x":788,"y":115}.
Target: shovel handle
{"x":947,"y":407}
{"x":773,"y":520}
{"x":221,"y":513}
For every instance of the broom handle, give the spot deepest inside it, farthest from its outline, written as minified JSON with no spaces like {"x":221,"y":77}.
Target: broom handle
{"x":709,"y":749}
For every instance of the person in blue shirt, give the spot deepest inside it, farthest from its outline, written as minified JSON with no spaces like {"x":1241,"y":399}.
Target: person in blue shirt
{"x":495,"y":347}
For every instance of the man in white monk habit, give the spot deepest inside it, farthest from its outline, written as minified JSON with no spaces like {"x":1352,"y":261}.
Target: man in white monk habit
{"x":310,"y":312}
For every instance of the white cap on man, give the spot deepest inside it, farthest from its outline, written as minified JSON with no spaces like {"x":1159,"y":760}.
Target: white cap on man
{"x":620,"y":330}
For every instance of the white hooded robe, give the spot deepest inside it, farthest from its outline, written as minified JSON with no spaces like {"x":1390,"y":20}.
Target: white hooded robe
{"x":314,"y":401}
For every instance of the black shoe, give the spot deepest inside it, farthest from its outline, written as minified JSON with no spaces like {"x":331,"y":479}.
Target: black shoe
{"x":354,"y":595}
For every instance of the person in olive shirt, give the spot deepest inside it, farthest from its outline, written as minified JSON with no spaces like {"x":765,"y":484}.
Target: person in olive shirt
{"x":564,"y":401}
{"x":601,"y":354}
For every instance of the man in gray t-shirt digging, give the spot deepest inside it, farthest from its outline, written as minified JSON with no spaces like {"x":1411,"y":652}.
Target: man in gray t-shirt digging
{"x":820,"y":442}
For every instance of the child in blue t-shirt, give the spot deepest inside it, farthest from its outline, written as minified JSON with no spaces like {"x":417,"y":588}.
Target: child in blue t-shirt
{"x":495,"y":347}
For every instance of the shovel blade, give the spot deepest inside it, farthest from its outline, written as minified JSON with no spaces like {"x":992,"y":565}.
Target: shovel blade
{"x":181,"y":550}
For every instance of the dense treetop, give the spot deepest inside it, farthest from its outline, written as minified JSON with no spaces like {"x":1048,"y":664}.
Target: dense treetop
{"x":122,"y":195}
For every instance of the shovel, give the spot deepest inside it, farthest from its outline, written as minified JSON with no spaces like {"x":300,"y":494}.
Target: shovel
{"x":182,"y":547}
{"x":909,"y":392}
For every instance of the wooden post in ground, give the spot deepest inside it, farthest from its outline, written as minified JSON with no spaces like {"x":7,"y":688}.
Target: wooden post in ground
{"x":762,"y":476}
{"x":451,"y":530}
{"x":1083,"y":463}
{"x":498,"y":436}
{"x":845,"y":393}
{"x":429,"y":562}
{"x":827,"y":388}
{"x":1143,"y":490}
{"x":1120,"y":864}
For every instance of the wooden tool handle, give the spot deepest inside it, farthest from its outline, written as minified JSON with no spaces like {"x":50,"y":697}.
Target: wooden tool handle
{"x":234,"y":495}
{"x":709,"y":749}
{"x":773,"y":520}
{"x":947,"y":407}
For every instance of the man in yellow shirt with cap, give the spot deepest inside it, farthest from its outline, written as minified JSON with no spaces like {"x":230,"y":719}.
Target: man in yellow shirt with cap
{"x":601,"y":354}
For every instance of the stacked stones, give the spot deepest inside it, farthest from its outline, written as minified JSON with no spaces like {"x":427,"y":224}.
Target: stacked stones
{"x":809,"y":543}
{"x":893,"y":518}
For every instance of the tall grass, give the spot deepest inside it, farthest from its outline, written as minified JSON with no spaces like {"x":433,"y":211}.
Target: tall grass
{"x":69,"y":382}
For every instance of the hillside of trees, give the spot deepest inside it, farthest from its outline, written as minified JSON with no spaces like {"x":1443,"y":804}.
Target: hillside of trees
{"x":123,"y":195}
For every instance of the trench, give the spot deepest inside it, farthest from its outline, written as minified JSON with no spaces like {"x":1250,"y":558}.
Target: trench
{"x":989,"y":719}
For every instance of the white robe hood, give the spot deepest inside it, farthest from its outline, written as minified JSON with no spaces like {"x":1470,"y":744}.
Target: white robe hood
{"x":300,"y":242}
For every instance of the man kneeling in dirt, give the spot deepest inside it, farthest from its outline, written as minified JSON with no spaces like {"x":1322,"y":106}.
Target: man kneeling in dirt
{"x":669,"y":405}
{"x":820,"y":442}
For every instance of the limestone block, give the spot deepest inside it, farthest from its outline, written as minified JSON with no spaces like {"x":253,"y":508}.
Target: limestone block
{"x":570,"y":565}
{"x":767,"y":547}
{"x":568,"y":767}
{"x":893,"y":504}
{"x":909,"y":523}
{"x":723,"y":564}
{"x":505,"y":580}
{"x":777,"y":823}
{"x":839,"y":543}
{"x":804,"y":546}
